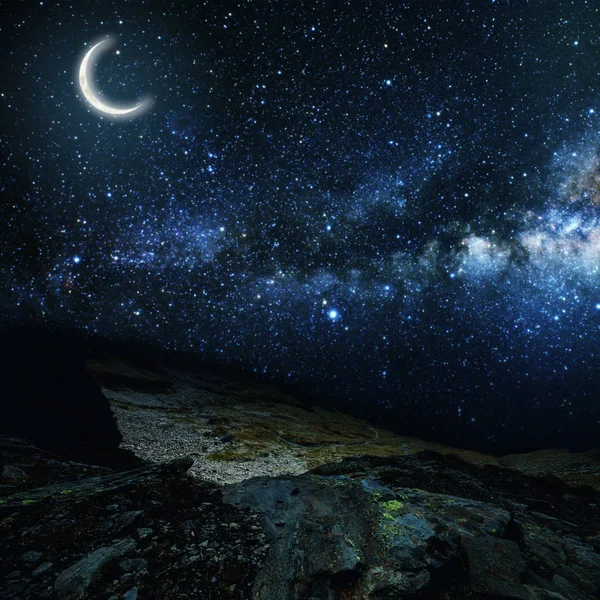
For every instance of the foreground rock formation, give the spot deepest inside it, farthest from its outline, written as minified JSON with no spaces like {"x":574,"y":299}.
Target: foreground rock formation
{"x":50,"y":398}
{"x":224,"y":488}
{"x":418,"y":526}
{"x":425,"y":526}
{"x":90,"y":533}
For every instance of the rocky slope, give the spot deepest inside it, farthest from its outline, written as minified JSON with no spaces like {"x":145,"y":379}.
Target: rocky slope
{"x":236,"y":428}
{"x":239,"y":491}
{"x":90,"y":533}
{"x":418,"y":526}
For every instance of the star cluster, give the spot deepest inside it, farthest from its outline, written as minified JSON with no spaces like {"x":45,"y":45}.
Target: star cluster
{"x":394,"y":204}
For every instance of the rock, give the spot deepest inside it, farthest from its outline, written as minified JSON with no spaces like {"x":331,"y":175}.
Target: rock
{"x":12,"y":472}
{"x":132,"y":594}
{"x":546,"y":551}
{"x":12,"y":591}
{"x":48,"y":373}
{"x":43,"y":568}
{"x":540,"y":594}
{"x":144,"y":532}
{"x":124,"y":520}
{"x":495,"y":566}
{"x":408,"y":538}
{"x":566,"y":588}
{"x":389,"y":583}
{"x":584,"y":563}
{"x":133,"y":564}
{"x":353,"y":529}
{"x":72,"y":584}
{"x":30,"y":557}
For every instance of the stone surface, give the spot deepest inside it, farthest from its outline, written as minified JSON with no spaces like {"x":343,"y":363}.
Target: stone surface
{"x":133,"y":564}
{"x":422,"y":525}
{"x":43,"y":568}
{"x":235,"y":428}
{"x":132,"y":594}
{"x":495,"y":566}
{"x":13,"y":472}
{"x":30,"y":557}
{"x":351,"y":529}
{"x":73,"y":583}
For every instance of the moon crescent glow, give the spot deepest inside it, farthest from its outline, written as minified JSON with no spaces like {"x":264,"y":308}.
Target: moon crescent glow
{"x":85,"y":83}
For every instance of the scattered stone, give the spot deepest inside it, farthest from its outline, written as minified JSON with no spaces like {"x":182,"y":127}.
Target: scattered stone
{"x":12,"y":472}
{"x":43,"y":568}
{"x":12,"y":591}
{"x":72,"y":584}
{"x":133,"y":564}
{"x":132,"y":594}
{"x":144,"y":532}
{"x":30,"y":557}
{"x":14,"y":575}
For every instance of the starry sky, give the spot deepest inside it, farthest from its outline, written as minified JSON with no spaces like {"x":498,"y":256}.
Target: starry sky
{"x":393,"y":204}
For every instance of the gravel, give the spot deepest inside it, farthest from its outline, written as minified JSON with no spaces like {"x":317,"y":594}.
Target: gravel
{"x":161,"y":427}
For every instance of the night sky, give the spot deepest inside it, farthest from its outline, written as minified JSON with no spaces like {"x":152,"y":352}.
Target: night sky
{"x":391,"y":203}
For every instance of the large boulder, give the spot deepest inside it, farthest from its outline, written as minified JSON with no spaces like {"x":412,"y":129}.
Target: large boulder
{"x":49,"y":398}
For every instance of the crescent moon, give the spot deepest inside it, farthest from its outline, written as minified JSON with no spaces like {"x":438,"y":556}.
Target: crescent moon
{"x":85,"y":83}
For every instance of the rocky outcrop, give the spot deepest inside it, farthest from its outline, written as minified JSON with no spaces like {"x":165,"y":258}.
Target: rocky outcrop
{"x":195,"y":521}
{"x":356,"y":530}
{"x":74,"y":582}
{"x":236,"y":428}
{"x":48,"y":397}
{"x":418,"y":526}
{"x":90,"y":533}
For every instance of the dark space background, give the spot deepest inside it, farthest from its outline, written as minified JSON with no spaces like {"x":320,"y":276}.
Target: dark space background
{"x":392,"y":205}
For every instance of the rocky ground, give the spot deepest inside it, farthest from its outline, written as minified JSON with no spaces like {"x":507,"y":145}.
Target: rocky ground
{"x":235,"y":428}
{"x":239,"y":491}
{"x":419,"y":526}
{"x":90,"y":533}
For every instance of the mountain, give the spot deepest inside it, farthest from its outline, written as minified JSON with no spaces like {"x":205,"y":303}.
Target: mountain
{"x":165,"y":481}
